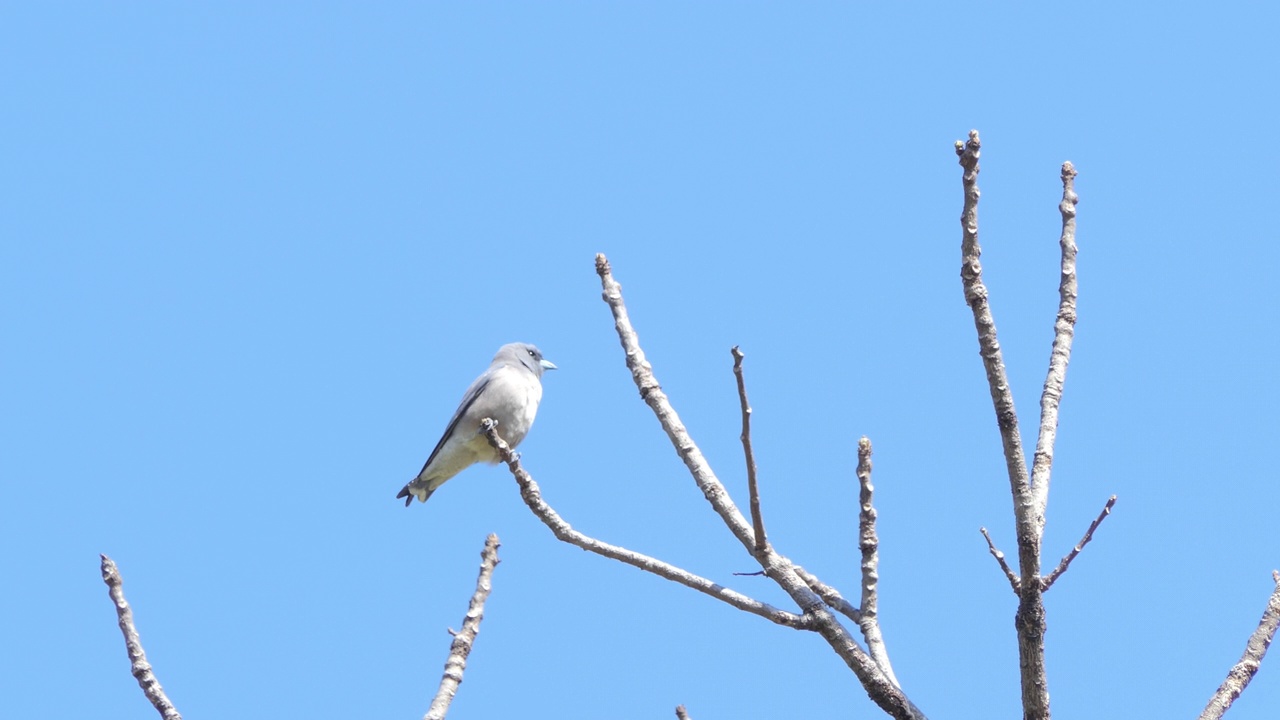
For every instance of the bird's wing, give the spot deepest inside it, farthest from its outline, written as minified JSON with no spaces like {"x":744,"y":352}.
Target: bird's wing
{"x":468,"y":399}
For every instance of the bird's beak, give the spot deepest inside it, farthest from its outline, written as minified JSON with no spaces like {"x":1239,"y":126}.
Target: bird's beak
{"x":547,"y":365}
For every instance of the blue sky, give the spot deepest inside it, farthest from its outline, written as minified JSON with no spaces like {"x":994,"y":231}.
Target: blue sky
{"x":253,"y":254}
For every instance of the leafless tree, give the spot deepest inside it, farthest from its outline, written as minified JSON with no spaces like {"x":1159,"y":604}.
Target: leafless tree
{"x":821,"y":608}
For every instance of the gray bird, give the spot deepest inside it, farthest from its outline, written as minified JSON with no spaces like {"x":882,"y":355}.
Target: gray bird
{"x":509,"y":392}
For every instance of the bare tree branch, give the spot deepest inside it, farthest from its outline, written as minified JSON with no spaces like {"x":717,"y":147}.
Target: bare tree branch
{"x":1014,"y":582}
{"x":1063,"y":334}
{"x":1028,"y":514}
{"x":681,"y":713}
{"x":140,"y":668}
{"x":870,"y":545}
{"x":757,"y":522}
{"x":651,"y":393}
{"x":1242,"y":672}
{"x":460,"y":648}
{"x":532,"y":495}
{"x":976,"y":296}
{"x":879,"y":687}
{"x":1088,"y":535}
{"x":829,"y":595}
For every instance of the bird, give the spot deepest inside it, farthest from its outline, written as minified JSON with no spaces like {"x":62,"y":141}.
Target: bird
{"x":509,"y":392}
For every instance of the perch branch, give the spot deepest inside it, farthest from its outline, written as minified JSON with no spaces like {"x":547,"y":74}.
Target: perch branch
{"x":1014,"y":582}
{"x":757,"y":522}
{"x":140,"y":668}
{"x":1088,"y":535}
{"x":1242,"y":672}
{"x":532,"y":496}
{"x":1028,"y":515}
{"x":781,"y":570}
{"x":1063,"y":334}
{"x":460,"y":648}
{"x":869,"y":543}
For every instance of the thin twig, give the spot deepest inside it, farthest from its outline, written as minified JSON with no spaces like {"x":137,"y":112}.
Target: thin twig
{"x":870,"y":545}
{"x":781,"y":570}
{"x":460,"y":648}
{"x":1063,"y":334}
{"x":1014,"y":582}
{"x":757,"y":522}
{"x":1242,"y":672}
{"x":532,"y":496}
{"x":681,"y":713}
{"x":1028,"y":514}
{"x":1088,"y":535}
{"x":140,"y":668}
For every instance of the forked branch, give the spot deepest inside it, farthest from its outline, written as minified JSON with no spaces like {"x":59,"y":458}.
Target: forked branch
{"x":1028,"y":514}
{"x":878,"y":684}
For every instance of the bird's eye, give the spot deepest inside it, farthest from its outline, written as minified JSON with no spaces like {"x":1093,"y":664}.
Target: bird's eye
{"x":533,"y":354}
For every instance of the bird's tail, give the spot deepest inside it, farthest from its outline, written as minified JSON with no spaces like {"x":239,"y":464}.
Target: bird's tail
{"x":408,"y":492}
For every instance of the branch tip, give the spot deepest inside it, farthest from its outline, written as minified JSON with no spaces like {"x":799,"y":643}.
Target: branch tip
{"x":456,"y":664}
{"x":1014,"y":581}
{"x":140,"y":668}
{"x":869,"y":544}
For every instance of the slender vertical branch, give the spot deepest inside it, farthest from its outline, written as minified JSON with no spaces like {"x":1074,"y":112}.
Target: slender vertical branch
{"x":1030,"y":617}
{"x":869,"y":543}
{"x":140,"y":668}
{"x":976,"y":296}
{"x":757,"y":522}
{"x":1063,"y":334}
{"x":460,"y":648}
{"x":1242,"y":672}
